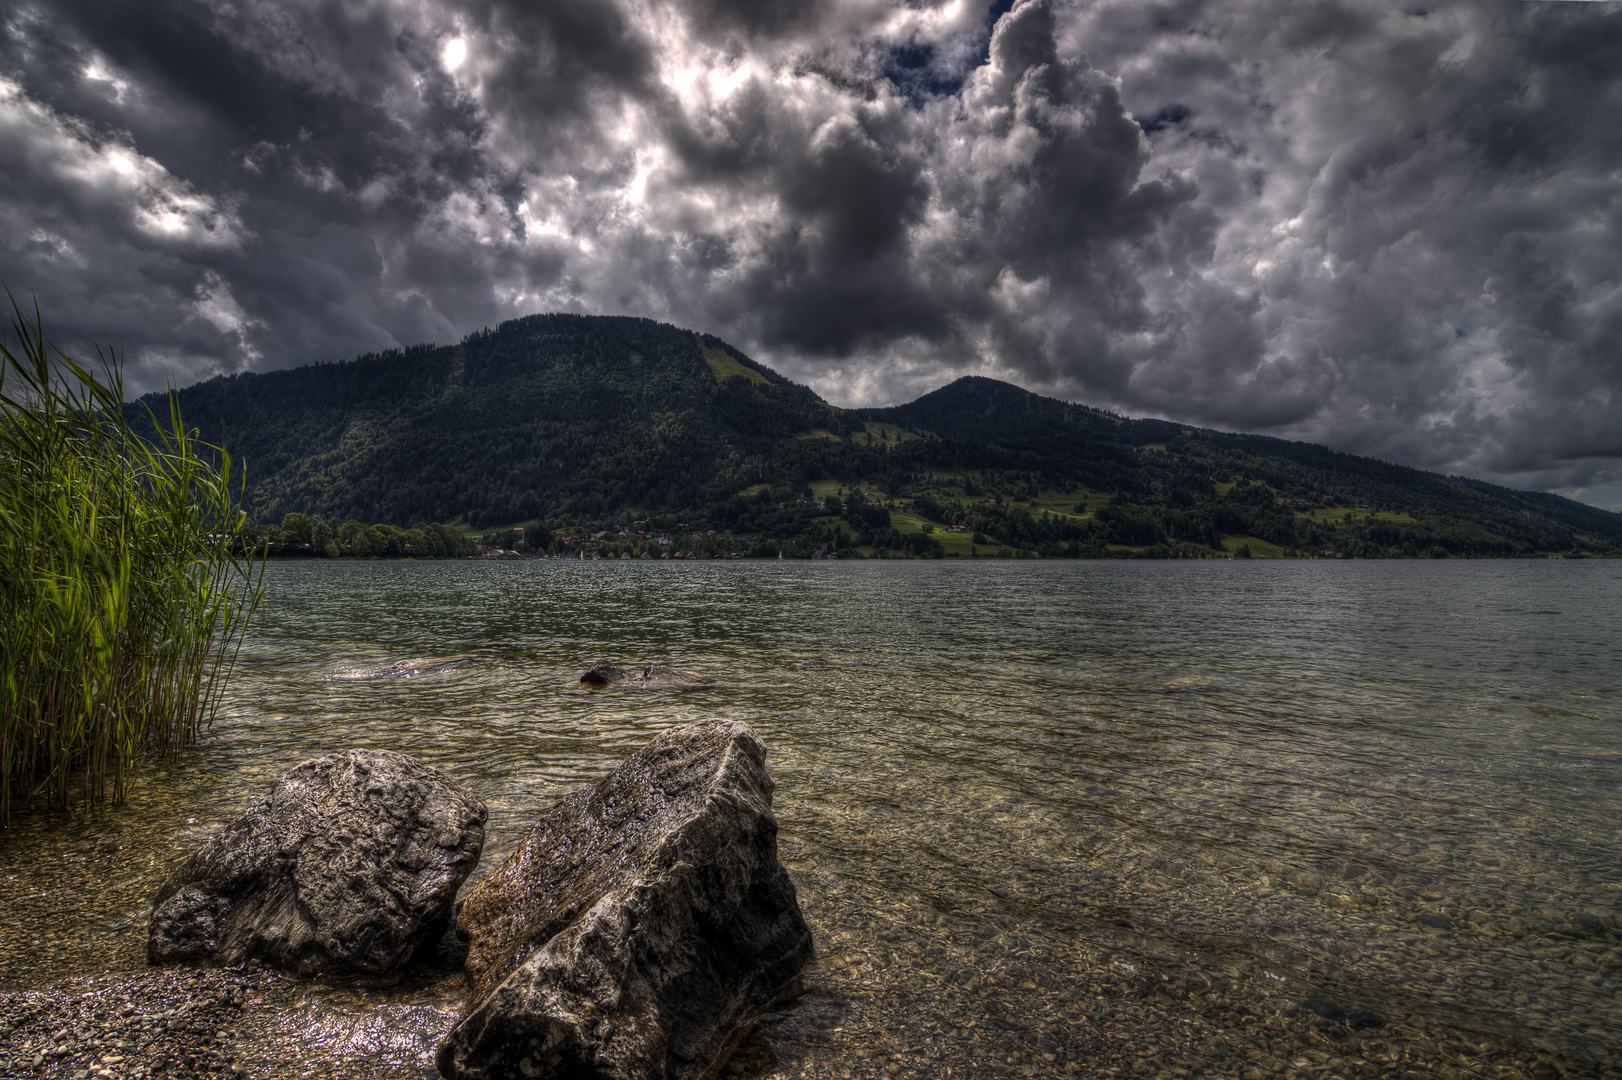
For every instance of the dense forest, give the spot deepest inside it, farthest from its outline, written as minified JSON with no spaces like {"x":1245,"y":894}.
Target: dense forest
{"x":568,"y":434}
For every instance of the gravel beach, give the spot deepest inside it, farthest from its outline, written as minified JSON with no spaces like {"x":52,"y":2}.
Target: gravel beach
{"x":862,"y":1014}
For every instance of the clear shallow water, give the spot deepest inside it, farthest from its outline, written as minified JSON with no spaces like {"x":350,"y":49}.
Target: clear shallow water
{"x":1042,"y":815}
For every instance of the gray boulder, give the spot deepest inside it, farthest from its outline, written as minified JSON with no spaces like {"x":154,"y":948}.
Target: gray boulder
{"x":345,"y":868}
{"x":642,"y":926}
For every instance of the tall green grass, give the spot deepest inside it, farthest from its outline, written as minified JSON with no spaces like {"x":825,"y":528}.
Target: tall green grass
{"x":122,"y":604}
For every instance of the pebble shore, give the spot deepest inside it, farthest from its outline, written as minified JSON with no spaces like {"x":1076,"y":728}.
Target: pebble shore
{"x":163,"y":1023}
{"x":1111,"y":1024}
{"x":236,"y":1022}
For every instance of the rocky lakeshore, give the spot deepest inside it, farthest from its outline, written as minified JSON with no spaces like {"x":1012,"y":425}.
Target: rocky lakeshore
{"x":1007,"y":897}
{"x":868,"y":1010}
{"x":159,"y":1023}
{"x":905,"y":984}
{"x":246,"y":1021}
{"x":908,"y":983}
{"x":638,"y":933}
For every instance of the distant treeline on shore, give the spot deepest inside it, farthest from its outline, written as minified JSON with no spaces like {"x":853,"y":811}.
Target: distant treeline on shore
{"x":300,"y":535}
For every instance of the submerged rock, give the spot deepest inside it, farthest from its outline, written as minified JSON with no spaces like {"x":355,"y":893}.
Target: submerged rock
{"x":641,"y":927}
{"x":345,"y":868}
{"x":656,"y":677}
{"x":1357,"y":1021}
{"x":602,"y":674}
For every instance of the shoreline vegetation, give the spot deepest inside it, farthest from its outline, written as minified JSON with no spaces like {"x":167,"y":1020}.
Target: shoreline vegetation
{"x":122,"y":601}
{"x":866,"y":526}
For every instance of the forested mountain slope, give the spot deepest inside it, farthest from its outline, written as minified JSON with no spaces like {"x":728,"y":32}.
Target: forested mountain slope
{"x":1180,"y":476}
{"x":547,"y":416}
{"x":563,"y":421}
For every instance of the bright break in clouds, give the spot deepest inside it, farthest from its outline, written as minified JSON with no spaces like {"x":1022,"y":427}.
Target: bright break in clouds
{"x":1394,"y":230}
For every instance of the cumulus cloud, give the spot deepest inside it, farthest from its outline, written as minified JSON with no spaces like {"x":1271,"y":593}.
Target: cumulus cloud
{"x":1416,"y":211}
{"x":1393,"y":231}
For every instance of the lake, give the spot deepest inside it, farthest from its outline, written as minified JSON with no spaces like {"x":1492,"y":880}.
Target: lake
{"x":1045,"y":818}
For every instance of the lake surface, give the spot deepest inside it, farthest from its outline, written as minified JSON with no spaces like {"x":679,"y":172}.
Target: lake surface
{"x":1165,"y":819}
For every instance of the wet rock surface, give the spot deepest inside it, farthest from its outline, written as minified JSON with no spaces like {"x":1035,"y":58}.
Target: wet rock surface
{"x":345,"y":868}
{"x":642,"y":925}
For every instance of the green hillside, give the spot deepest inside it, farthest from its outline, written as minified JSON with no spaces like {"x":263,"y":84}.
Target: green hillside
{"x":549,"y":416}
{"x":1170,"y":483}
{"x":570,"y":425}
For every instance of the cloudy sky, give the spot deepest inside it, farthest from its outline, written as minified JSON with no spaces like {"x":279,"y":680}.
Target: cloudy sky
{"x":1394,"y":229}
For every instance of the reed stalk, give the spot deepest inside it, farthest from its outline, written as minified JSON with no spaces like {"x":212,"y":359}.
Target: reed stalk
{"x":123,"y":600}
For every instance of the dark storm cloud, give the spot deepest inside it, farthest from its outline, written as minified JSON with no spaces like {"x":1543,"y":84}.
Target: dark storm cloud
{"x":189,"y":173}
{"x":927,"y":232}
{"x":1418,"y":216}
{"x":1393,"y":231}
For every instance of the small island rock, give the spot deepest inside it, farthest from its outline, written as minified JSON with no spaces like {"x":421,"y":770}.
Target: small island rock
{"x":642,"y":926}
{"x":345,"y":868}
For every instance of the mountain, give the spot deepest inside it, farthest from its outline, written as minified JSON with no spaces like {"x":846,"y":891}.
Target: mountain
{"x":567,"y":420}
{"x":1167,"y":466}
{"x":547,"y":416}
{"x":997,"y":412}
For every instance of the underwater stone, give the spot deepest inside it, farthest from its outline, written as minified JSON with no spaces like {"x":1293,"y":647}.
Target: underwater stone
{"x":1588,"y":925}
{"x":345,"y":868}
{"x":640,"y":929}
{"x":654,"y":677}
{"x":1357,"y":1021}
{"x":602,"y":673}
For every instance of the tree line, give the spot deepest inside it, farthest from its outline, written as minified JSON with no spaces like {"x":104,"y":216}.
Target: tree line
{"x":301,"y":536}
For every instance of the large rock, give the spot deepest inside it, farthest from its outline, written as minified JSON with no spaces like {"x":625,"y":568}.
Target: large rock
{"x":348,"y":866}
{"x":640,"y":928}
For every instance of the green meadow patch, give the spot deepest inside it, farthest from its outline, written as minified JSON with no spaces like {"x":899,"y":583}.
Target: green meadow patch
{"x":1063,"y":504}
{"x":962,"y":543}
{"x":1346,"y":513}
{"x":1259,"y":549}
{"x":727,"y":366}
{"x":880,"y":433}
{"x":904,"y":521}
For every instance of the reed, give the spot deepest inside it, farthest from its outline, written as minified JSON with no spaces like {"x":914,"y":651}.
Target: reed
{"x":122,"y":599}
